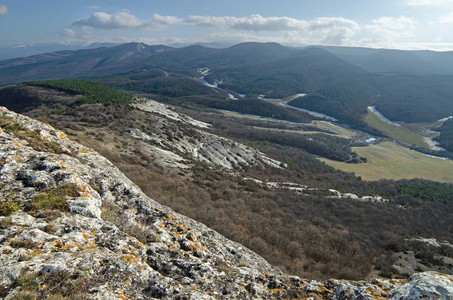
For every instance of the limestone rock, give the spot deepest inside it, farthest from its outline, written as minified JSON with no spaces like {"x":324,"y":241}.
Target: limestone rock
{"x":196,"y":143}
{"x":428,"y":285}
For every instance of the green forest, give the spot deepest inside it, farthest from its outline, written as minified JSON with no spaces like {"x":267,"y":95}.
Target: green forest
{"x":94,"y":93}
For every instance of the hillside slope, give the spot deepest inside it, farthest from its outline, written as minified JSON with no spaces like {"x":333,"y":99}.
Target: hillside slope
{"x":100,"y":61}
{"x":274,"y":200}
{"x":73,"y":226}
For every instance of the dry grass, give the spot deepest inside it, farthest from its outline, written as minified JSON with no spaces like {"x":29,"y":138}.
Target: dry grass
{"x":340,"y":131}
{"x":33,"y":138}
{"x":399,"y":133}
{"x":61,"y":285}
{"x":391,"y":161}
{"x":27,"y":244}
{"x":54,"y":198}
{"x":113,"y":213}
{"x":9,"y":206}
{"x":5,"y":222}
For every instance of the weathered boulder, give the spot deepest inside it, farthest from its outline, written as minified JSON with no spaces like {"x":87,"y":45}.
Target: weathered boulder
{"x":428,"y":285}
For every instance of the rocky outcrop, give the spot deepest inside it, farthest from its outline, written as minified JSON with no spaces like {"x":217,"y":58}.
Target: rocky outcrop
{"x":161,"y":109}
{"x":303,"y":189}
{"x":196,"y":143}
{"x":73,"y":225}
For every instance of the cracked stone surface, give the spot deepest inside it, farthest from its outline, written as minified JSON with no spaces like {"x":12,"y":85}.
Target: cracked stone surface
{"x":206,"y":147}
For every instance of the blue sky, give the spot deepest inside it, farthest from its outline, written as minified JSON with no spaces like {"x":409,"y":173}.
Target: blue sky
{"x":399,"y":24}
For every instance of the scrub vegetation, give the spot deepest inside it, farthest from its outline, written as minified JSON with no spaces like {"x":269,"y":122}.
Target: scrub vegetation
{"x":306,"y":234}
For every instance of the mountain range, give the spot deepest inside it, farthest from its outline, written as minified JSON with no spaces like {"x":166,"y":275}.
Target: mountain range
{"x":384,"y":78}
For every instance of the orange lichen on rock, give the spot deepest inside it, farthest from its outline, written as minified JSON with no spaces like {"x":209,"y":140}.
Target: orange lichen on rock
{"x":182,"y":227}
{"x":171,"y":218}
{"x":77,"y":245}
{"x":130,"y":258}
{"x":121,"y":295}
{"x":85,"y":150}
{"x":397,"y":281}
{"x":67,"y":246}
{"x":41,"y":287}
{"x":35,"y":252}
{"x":140,"y":243}
{"x":60,"y":163}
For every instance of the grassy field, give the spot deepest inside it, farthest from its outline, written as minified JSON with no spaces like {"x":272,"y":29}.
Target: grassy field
{"x":301,"y":131}
{"x":340,"y":131}
{"x":396,"y":132}
{"x":322,"y":125}
{"x":391,"y":161}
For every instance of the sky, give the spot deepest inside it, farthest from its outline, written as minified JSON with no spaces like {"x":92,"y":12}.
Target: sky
{"x":393,"y":24}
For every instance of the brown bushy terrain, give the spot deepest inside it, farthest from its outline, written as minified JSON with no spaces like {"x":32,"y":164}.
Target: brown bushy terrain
{"x":308,"y":233}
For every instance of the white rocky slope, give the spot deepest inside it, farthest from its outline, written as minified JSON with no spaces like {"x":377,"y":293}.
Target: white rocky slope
{"x":169,"y":142}
{"x":145,"y":251}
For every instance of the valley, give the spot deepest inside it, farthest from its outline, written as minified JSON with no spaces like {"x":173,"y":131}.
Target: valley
{"x":385,"y":159}
{"x":308,"y":192}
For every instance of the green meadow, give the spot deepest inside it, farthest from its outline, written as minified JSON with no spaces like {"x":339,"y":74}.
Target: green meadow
{"x":396,"y":132}
{"x":391,"y":161}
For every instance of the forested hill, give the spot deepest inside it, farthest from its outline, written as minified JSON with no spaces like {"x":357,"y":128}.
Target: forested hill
{"x":341,"y":82}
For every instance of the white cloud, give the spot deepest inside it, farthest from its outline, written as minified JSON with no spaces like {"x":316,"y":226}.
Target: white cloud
{"x":331,"y":31}
{"x":68,"y":32}
{"x":448,"y":18}
{"x":124,"y":20}
{"x":335,"y":31}
{"x":429,"y":2}
{"x":253,"y":22}
{"x":392,"y":29}
{"x":320,"y":30}
{"x":258,"y":23}
{"x":3,"y":10}
{"x":94,"y":7}
{"x":166,"y":20}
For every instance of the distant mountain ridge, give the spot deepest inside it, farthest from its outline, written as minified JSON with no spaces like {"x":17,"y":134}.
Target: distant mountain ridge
{"x":407,"y":86}
{"x":372,"y":60}
{"x":63,"y":64}
{"x":420,"y":62}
